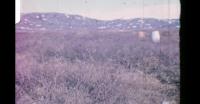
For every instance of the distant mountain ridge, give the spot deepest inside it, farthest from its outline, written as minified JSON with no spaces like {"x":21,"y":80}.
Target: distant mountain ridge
{"x":56,"y":21}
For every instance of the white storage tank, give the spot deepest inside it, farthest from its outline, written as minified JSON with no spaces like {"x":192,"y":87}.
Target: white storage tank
{"x":155,"y":36}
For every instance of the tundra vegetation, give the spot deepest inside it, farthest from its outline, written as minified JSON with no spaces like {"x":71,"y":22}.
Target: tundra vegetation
{"x":96,"y":67}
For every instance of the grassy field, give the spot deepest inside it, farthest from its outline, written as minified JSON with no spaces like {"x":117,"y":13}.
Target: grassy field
{"x":96,"y":67}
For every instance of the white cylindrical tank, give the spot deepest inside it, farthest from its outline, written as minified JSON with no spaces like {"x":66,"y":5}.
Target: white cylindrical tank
{"x":155,"y":36}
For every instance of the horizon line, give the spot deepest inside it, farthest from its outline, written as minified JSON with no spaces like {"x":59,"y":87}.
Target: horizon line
{"x":129,"y":18}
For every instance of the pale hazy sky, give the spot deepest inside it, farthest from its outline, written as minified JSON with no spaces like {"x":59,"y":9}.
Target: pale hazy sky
{"x":106,"y":9}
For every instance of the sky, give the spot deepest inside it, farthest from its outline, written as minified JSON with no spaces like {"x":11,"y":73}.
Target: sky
{"x":106,"y":9}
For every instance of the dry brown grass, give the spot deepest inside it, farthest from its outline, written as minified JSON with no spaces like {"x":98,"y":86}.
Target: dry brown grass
{"x":95,"y":69}
{"x":62,"y":82}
